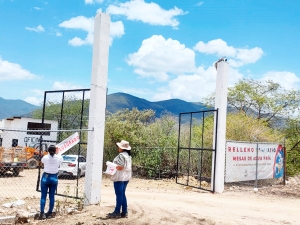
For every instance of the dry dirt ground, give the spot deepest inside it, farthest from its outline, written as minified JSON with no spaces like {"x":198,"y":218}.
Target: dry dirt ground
{"x":165,"y":202}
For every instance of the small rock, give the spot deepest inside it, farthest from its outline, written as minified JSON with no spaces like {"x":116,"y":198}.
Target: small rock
{"x":22,"y":216}
{"x":204,"y":183}
{"x":70,"y":210}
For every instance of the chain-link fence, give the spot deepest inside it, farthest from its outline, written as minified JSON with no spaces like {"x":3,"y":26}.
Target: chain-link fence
{"x":148,"y":162}
{"x":254,"y":164}
{"x":21,"y":168}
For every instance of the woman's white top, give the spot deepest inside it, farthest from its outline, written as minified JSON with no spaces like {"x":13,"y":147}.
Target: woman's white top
{"x":51,"y":164}
{"x":124,"y":160}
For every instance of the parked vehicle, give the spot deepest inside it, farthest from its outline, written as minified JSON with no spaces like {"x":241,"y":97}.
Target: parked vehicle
{"x":73,"y":165}
{"x":34,"y":154}
{"x":12,"y":160}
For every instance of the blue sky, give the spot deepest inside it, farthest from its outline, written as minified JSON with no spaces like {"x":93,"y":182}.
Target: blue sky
{"x":159,"y":49}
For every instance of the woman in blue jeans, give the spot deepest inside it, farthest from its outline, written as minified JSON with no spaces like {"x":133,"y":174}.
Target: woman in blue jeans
{"x":121,"y":179}
{"x":49,"y":180}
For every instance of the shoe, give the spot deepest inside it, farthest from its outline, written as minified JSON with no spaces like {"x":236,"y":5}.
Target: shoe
{"x":49,"y":215}
{"x":114,"y":215}
{"x":124,"y":215}
{"x":42,"y":216}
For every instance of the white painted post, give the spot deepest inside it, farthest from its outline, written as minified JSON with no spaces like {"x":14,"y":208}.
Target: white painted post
{"x":221,"y":105}
{"x":93,"y":178}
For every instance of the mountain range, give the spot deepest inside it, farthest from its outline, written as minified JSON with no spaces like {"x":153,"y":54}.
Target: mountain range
{"x":115,"y":102}
{"x":10,"y":108}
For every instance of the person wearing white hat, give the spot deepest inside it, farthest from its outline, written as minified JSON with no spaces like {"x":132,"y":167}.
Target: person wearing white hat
{"x":121,"y":179}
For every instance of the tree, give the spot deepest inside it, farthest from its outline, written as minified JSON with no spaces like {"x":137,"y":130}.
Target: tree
{"x":162,"y":132}
{"x":129,"y":125}
{"x":265,"y":100}
{"x":240,"y":127}
{"x":292,"y":134}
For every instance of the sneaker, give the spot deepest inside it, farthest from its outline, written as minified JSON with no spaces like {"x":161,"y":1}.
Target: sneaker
{"x":49,"y":215}
{"x":114,"y":215}
{"x":42,"y":216}
{"x":124,"y":215}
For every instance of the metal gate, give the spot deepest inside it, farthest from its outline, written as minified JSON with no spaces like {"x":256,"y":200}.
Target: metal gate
{"x":196,"y":149}
{"x":69,"y":109}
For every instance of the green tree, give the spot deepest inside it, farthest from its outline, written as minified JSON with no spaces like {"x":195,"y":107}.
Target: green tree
{"x":128,"y":125}
{"x":162,"y":132}
{"x":292,"y":134}
{"x":263,"y":99}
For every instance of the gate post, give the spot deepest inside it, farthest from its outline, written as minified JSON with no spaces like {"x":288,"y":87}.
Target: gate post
{"x":93,"y":178}
{"x":218,"y":165}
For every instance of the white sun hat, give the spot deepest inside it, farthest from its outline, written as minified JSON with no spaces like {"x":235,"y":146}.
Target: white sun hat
{"x":124,"y":145}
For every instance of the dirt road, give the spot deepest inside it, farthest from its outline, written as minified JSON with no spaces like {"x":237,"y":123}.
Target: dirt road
{"x":165,"y":202}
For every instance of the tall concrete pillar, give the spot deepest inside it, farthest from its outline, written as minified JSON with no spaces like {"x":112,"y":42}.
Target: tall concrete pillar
{"x":221,"y":105}
{"x":93,"y":178}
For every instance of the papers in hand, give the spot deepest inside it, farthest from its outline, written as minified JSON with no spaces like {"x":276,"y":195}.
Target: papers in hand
{"x":111,"y":168}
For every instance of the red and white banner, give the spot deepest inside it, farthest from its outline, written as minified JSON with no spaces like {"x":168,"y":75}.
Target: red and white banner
{"x":241,"y":159}
{"x":68,"y":143}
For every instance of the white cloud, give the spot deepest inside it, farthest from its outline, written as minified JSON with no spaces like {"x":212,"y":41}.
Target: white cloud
{"x":76,"y":41}
{"x":64,"y":85}
{"x":93,"y":1}
{"x":13,"y":71}
{"x":37,"y":8}
{"x":38,"y":29}
{"x":159,"y":58}
{"x":150,"y":13}
{"x":217,"y":46}
{"x":195,"y":87}
{"x":286,"y":79}
{"x":199,"y":3}
{"x":34,"y":100}
{"x":80,"y":23}
{"x":55,"y":32}
{"x":87,"y":24}
{"x":190,"y":87}
{"x":38,"y":97}
{"x":38,"y":92}
{"x":117,"y":29}
{"x":58,"y":34}
{"x":236,"y":56}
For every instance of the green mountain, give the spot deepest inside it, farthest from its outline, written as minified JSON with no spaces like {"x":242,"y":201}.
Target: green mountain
{"x":10,"y":108}
{"x":115,"y":102}
{"x":118,"y":101}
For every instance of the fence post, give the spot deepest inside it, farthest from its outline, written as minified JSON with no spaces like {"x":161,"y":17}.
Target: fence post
{"x":256,"y":165}
{"x":220,"y":134}
{"x":284,"y":163}
{"x":93,"y":180}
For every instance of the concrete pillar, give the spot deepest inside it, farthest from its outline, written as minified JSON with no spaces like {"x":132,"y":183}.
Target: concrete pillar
{"x":93,"y":178}
{"x":221,"y":105}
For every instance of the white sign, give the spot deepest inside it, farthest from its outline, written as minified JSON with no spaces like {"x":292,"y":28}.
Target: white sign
{"x":241,"y":159}
{"x":111,"y":168}
{"x":68,"y":143}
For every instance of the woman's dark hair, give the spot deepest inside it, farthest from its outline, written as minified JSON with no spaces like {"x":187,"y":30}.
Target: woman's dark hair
{"x":52,"y":150}
{"x":128,"y":151}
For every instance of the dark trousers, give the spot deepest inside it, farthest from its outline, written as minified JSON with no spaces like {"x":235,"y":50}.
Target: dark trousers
{"x":48,"y":182}
{"x":121,"y":201}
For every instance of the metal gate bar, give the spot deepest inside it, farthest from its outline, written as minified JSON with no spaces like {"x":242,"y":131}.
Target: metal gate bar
{"x":76,"y":128}
{"x":198,"y":153}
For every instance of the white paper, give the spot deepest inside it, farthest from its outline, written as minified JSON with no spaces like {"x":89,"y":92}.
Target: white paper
{"x":111,"y":168}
